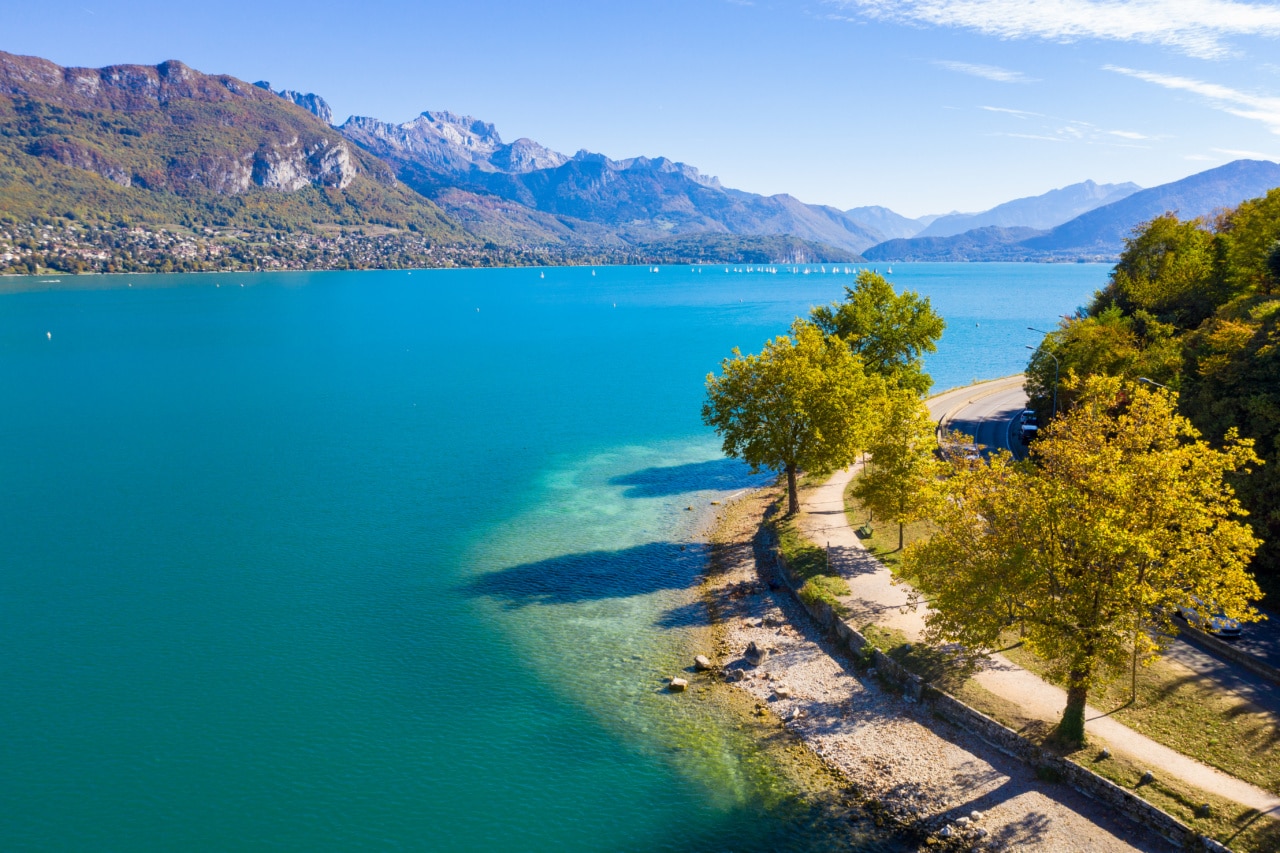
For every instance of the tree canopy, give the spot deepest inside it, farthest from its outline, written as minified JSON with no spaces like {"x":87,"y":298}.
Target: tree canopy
{"x":899,"y":481}
{"x":1123,"y":515}
{"x":1195,"y":306}
{"x":891,"y":332}
{"x":802,"y":403}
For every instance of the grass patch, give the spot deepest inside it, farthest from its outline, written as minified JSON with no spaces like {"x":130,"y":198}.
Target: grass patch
{"x":883,"y":541}
{"x":820,"y":582}
{"x":941,"y":667}
{"x":1244,"y":829}
{"x":1189,"y":714}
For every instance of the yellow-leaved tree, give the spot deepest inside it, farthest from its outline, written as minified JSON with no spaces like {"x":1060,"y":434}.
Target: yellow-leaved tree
{"x":900,"y":480}
{"x":1122,"y":516}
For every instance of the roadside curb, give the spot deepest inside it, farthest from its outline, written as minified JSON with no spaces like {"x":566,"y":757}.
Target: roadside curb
{"x":995,"y":386}
{"x":1212,"y":644}
{"x":947,"y":707}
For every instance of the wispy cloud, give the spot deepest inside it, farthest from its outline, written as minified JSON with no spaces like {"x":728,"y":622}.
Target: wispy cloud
{"x":1202,"y":158}
{"x":1057,"y":129}
{"x":986,"y":72}
{"x":1262,"y":108}
{"x":1038,"y":136}
{"x":1007,"y":111}
{"x":1246,"y":155}
{"x":1199,"y":28}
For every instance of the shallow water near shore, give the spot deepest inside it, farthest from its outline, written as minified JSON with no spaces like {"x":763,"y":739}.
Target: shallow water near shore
{"x":382,"y":559}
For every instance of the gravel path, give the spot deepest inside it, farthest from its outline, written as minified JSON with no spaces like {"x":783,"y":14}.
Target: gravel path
{"x":919,"y":769}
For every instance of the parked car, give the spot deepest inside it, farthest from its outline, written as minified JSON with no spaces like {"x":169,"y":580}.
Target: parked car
{"x":1030,"y":425}
{"x":1217,"y":624}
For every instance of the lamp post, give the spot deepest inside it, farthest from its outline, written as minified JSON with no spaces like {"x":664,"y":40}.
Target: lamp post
{"x":1055,"y":378}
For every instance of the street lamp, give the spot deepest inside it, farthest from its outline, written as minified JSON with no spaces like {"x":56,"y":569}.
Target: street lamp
{"x":1055,"y":377}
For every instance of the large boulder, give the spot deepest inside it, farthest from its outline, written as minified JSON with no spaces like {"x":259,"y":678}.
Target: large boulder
{"x":755,"y":655}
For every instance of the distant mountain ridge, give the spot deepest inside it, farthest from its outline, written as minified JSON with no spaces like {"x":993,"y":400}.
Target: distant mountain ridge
{"x":166,"y":145}
{"x":641,"y":198}
{"x":1100,"y":233}
{"x":1040,"y":212}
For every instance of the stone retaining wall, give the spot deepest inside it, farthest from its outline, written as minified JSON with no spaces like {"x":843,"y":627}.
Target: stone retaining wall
{"x":1001,"y":737}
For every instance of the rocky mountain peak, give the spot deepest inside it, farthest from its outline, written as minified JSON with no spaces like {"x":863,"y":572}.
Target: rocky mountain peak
{"x":311,"y":102}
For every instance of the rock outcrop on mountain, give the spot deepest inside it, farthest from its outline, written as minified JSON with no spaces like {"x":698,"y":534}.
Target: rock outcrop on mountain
{"x":447,"y":144}
{"x":310,"y":102}
{"x":167,"y":143}
{"x":1040,"y":212}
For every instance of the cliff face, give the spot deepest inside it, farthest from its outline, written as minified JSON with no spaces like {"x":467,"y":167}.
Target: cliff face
{"x":166,"y":144}
{"x":169,"y":127}
{"x":311,"y":102}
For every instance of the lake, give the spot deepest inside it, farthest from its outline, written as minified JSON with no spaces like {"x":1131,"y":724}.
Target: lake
{"x":390,"y":560}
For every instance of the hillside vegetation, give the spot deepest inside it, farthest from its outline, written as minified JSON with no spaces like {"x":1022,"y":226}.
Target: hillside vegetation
{"x":1194,"y":306}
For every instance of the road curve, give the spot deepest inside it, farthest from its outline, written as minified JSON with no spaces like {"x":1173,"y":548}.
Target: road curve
{"x":987,"y":412}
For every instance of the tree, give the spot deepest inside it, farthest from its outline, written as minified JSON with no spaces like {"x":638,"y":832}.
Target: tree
{"x":900,"y":479}
{"x":802,"y":403}
{"x":890,"y":332}
{"x":1170,"y":269}
{"x":1122,"y":516}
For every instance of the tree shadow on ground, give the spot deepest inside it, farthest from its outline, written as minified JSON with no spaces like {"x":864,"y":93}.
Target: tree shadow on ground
{"x":593,"y":576}
{"x":668,"y":480}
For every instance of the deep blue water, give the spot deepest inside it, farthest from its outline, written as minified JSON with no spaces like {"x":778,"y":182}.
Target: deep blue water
{"x":388,"y":560}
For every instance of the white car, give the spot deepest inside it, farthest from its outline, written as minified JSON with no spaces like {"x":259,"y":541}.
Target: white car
{"x":1218,"y":624}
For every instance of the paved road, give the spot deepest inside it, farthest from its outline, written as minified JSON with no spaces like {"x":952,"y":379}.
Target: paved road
{"x":987,"y":412}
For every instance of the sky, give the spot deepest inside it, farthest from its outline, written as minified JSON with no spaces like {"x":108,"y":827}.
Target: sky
{"x":923,"y":106}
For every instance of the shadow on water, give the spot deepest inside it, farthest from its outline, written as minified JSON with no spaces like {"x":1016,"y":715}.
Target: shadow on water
{"x":593,"y":576}
{"x":669,"y":480}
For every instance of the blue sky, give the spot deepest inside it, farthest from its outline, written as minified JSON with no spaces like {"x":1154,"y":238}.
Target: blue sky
{"x":925,"y":106}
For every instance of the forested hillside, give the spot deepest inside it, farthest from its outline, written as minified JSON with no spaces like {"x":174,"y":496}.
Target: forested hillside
{"x":1194,"y":306}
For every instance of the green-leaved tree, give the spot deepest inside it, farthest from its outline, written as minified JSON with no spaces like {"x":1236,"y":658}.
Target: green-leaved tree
{"x":803,"y":403}
{"x":891,"y":332}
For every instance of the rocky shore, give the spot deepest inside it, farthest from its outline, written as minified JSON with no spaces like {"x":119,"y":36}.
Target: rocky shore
{"x":937,"y":783}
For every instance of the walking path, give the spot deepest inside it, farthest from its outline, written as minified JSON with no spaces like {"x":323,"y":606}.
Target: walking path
{"x":926,"y":776}
{"x":876,"y":598}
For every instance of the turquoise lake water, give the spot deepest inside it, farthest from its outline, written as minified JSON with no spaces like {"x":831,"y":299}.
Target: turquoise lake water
{"x":382,"y":560}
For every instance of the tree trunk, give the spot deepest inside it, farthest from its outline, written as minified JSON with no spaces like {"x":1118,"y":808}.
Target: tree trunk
{"x":1071,"y":730}
{"x":900,"y":529}
{"x":793,"y":490}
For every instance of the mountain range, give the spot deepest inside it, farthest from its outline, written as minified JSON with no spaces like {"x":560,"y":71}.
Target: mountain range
{"x":168,"y":145}
{"x":1098,"y":234}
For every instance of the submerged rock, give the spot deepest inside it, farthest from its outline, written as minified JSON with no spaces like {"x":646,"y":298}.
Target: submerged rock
{"x":677,"y":685}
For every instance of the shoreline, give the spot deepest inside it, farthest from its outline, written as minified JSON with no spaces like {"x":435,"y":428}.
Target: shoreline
{"x":928,"y":780}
